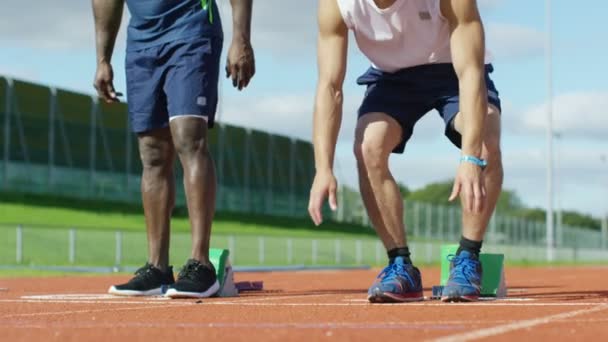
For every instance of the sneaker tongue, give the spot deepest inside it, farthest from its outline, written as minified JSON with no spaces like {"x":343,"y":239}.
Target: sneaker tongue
{"x":466,"y":255}
{"x":399,"y":260}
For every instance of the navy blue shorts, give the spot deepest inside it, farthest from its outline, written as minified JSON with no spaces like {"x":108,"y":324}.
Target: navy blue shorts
{"x":408,"y":94}
{"x":173,"y":79}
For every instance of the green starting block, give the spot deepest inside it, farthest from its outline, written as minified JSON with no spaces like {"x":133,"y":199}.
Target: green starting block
{"x":493,"y":282}
{"x":225,"y":275}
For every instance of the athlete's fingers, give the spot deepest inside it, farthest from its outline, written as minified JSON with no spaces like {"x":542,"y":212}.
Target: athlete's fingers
{"x":470,"y":197}
{"x":478,"y":198}
{"x":234,"y":72}
{"x":455,"y":190}
{"x":314,"y":208}
{"x":333,"y":202}
{"x":111,"y":93}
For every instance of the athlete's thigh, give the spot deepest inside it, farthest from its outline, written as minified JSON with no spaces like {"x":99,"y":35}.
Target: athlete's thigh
{"x":191,"y":86}
{"x":378,"y":131}
{"x":145,"y":96}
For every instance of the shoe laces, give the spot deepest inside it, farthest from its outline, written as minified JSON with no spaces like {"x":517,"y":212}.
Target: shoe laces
{"x":395,"y":270}
{"x":190,"y":270}
{"x":463,"y":268}
{"x":144,"y":272}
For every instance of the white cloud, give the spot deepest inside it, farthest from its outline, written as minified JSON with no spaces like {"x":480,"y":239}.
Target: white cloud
{"x":53,"y":25}
{"x":285,"y":114}
{"x":575,"y":114}
{"x":514,"y":42}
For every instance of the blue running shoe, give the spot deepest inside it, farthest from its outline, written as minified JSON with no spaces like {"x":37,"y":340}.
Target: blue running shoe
{"x":464,"y":283}
{"x":398,"y":282}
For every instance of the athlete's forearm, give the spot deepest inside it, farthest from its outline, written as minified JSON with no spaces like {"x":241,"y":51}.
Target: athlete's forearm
{"x":108,"y":15}
{"x":326,"y":124}
{"x":241,"y":19}
{"x":474,"y":107}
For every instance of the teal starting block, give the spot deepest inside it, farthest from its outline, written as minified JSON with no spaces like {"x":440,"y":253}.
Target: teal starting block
{"x":225,"y":275}
{"x":493,"y":282}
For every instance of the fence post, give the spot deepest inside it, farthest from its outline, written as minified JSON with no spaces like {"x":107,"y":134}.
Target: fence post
{"x":7,"y":128}
{"x":417,"y":219}
{"x":72,"y":246}
{"x":19,"y":247}
{"x":429,"y":217}
{"x":605,"y":231}
{"x":359,"y":251}
{"x":337,"y":249}
{"x":289,"y":251}
{"x":51,"y":146}
{"x":118,"y":248}
{"x":378,"y":252}
{"x":314,"y":252}
{"x":93,"y":143}
{"x":232,"y":249}
{"x":261,"y":251}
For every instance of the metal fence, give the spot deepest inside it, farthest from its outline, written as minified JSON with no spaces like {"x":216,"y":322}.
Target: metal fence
{"x":35,"y":246}
{"x":60,"y":142}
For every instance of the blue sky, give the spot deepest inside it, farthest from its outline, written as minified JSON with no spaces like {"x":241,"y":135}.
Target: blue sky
{"x":61,"y":53}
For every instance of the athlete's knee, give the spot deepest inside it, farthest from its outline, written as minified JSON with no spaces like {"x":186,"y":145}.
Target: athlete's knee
{"x":189,"y":137}
{"x":371,"y":155}
{"x":493,"y":155}
{"x":155,"y":155}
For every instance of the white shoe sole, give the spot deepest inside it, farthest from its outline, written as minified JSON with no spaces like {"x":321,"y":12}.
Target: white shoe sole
{"x":153,"y":292}
{"x":173,"y":293}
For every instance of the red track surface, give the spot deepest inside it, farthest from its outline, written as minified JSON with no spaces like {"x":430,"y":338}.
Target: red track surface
{"x":550,"y":303}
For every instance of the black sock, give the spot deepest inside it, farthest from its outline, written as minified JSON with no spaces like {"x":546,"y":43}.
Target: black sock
{"x":402,"y":252}
{"x":473,"y":247}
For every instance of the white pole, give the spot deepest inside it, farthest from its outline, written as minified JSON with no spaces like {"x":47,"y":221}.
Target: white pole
{"x":359,"y":251}
{"x":72,"y":246}
{"x":261,"y":250}
{"x":604,"y":159}
{"x":232,"y":249}
{"x":19,"y":247}
{"x":337,"y":249}
{"x":548,"y":52}
{"x":118,"y":248}
{"x":289,"y":251}
{"x":314,"y":252}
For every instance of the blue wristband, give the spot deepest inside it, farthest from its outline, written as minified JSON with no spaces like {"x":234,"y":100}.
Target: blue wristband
{"x":474,"y":160}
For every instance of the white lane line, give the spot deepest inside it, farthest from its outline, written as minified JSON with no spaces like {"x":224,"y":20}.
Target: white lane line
{"x":245,"y":300}
{"x":59,"y":301}
{"x":505,"y":328}
{"x":71,"y":312}
{"x":429,"y":304}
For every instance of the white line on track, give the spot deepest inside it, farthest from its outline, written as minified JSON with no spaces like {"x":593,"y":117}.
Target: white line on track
{"x":71,"y":312}
{"x":446,"y":305}
{"x":60,"y":301}
{"x":505,"y":328}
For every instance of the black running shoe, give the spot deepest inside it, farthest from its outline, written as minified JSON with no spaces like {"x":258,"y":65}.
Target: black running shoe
{"x":194,"y":281}
{"x":148,"y":281}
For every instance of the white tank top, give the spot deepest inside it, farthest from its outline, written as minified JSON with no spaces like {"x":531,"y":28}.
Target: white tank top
{"x":406,"y":34}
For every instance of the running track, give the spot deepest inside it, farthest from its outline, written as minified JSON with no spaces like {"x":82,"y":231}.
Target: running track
{"x":554,"y":304}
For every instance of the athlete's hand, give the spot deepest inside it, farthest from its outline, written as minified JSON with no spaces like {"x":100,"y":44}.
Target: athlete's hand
{"x":240,"y":65}
{"x":104,"y":83}
{"x":469,"y":182}
{"x":324,"y":185}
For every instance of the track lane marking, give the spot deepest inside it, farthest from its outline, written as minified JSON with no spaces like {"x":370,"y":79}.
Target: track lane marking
{"x":518,"y":325}
{"x":71,"y":312}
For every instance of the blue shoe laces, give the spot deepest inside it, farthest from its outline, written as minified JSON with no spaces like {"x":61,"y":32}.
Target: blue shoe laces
{"x":463,"y":268}
{"x":394,"y":270}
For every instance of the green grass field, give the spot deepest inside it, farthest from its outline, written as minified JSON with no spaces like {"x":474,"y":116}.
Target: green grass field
{"x":49,"y":212}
